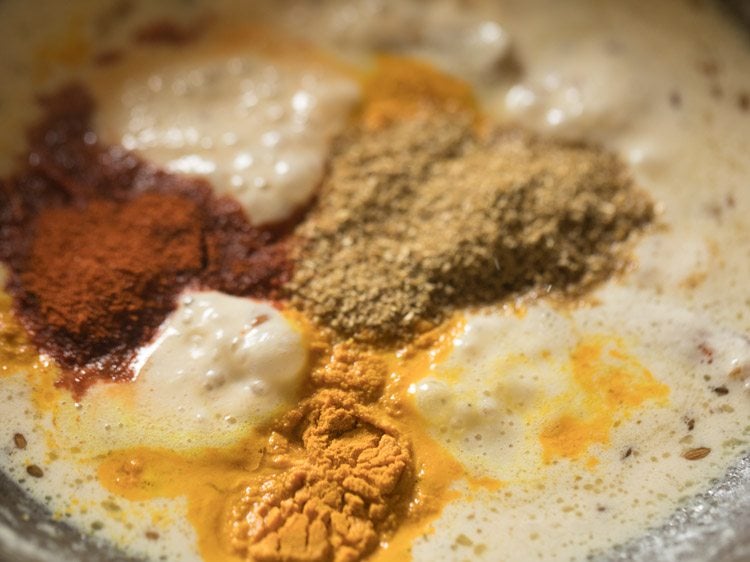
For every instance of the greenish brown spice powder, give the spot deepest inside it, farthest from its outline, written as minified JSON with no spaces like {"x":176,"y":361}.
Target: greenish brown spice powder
{"x":424,"y":217}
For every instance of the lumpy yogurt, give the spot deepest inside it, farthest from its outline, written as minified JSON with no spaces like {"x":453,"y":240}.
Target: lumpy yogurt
{"x":257,"y":125}
{"x":220,"y":360}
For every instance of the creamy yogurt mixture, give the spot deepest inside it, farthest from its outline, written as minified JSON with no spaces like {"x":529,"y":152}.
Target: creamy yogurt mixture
{"x":259,"y":132}
{"x":219,"y":366}
{"x":584,"y":462}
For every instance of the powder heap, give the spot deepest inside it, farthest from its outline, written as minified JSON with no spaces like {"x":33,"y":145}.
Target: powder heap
{"x":128,"y":259}
{"x":99,"y":243}
{"x":425,"y":215}
{"x":341,"y":475}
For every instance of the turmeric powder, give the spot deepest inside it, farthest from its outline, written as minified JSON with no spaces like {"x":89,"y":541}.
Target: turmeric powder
{"x":342,"y":474}
{"x":347,"y":476}
{"x":328,"y":481}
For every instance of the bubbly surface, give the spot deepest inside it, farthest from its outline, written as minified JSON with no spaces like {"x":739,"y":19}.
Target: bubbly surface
{"x":598,"y":420}
{"x":589,"y":416}
{"x":219,"y":360}
{"x":256,"y":127}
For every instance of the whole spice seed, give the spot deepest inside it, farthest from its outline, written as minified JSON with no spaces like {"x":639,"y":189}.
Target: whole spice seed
{"x":424,"y":216}
{"x":696,"y":454}
{"x":34,"y":471}
{"x":20,"y":441}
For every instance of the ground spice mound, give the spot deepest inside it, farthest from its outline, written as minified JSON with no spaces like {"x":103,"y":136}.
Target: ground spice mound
{"x":424,"y":216}
{"x":98,"y":298}
{"x":99,"y":243}
{"x":340,"y":474}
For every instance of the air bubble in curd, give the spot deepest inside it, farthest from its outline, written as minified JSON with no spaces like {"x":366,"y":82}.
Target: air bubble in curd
{"x":499,"y":370}
{"x":222,"y":359}
{"x":219,"y":366}
{"x":257,"y":128}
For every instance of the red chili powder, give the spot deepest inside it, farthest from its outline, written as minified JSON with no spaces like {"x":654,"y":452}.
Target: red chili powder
{"x":99,"y":244}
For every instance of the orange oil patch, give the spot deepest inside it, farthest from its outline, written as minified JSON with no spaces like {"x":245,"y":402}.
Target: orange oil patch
{"x":608,"y":386}
{"x":485,"y":484}
{"x":592,"y":463}
{"x":438,"y":470}
{"x":208,"y":478}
